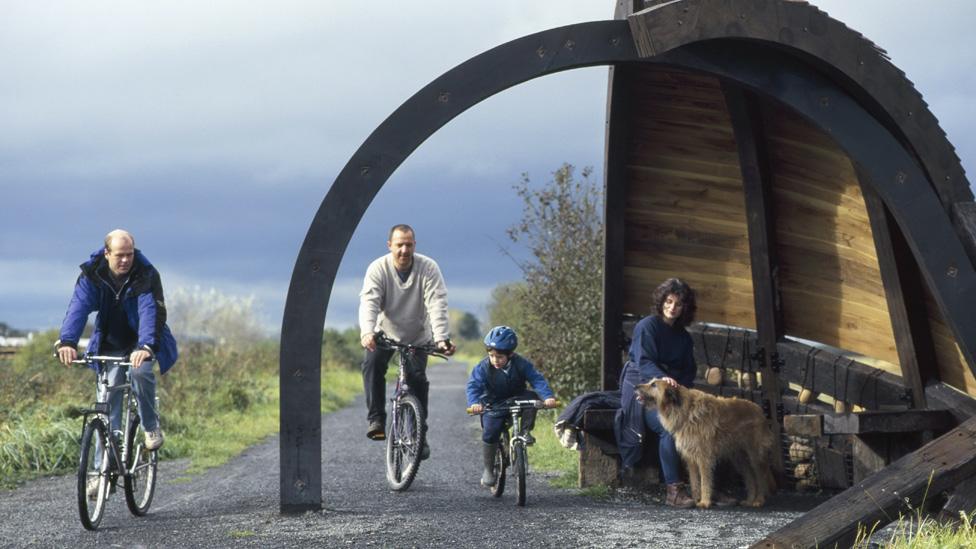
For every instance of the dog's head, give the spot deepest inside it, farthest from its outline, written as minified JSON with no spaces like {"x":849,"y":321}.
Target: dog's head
{"x":657,"y":393}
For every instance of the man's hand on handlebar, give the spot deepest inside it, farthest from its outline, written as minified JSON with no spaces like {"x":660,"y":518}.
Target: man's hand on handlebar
{"x":476,"y":409}
{"x":446,"y":347}
{"x":368,"y":342}
{"x":138,"y":357}
{"x":66,"y":354}
{"x":551,"y":403}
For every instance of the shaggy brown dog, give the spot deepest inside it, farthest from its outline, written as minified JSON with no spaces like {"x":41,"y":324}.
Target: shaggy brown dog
{"x":707,"y":429}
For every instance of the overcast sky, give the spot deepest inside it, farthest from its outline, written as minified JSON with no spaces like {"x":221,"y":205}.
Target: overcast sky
{"x":212,"y":131}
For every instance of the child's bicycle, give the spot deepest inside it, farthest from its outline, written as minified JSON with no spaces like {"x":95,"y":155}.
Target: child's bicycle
{"x":102,"y":450}
{"x":512,"y":449}
{"x":407,"y":432}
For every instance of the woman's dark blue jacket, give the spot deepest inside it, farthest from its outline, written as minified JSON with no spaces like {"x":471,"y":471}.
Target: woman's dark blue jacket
{"x":142,"y":301}
{"x":657,"y":350}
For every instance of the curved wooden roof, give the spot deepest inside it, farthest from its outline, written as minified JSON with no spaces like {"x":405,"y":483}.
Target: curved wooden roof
{"x":843,"y":275}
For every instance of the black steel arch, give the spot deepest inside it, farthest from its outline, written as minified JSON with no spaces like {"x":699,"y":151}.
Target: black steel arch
{"x":893,"y":172}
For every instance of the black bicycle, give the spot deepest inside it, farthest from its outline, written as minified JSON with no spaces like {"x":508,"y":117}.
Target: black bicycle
{"x":103,"y":450}
{"x":407,"y":434}
{"x":512,"y":449}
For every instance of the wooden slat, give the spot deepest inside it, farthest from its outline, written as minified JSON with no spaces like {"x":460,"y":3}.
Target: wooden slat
{"x":880,"y":498}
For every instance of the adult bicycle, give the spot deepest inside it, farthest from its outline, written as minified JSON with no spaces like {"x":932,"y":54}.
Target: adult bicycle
{"x":512,"y":448}
{"x":407,"y":432}
{"x":102,"y":450}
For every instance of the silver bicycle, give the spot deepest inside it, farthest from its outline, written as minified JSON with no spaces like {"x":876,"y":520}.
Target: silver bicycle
{"x":102,"y":450}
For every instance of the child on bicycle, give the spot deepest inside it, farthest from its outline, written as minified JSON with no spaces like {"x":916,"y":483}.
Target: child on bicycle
{"x":501,"y":376}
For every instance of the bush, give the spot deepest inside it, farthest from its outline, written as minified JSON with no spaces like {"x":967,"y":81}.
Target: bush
{"x":557,"y":311}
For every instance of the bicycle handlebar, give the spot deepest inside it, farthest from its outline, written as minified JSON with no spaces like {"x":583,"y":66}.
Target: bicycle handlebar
{"x":386,"y":343}
{"x":515,"y":405}
{"x":120,"y":360}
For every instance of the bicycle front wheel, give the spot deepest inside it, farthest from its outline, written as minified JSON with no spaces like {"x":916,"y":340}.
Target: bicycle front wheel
{"x":93,"y":471}
{"x":404,"y":442}
{"x":140,"y":480}
{"x":520,"y":463}
{"x":501,"y":462}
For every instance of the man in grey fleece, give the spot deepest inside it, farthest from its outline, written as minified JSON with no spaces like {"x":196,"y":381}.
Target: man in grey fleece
{"x":404,"y":296}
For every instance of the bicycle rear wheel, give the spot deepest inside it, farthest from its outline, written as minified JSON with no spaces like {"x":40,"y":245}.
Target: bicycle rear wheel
{"x":95,"y":471}
{"x":501,"y":462}
{"x":404,"y":443}
{"x":520,"y":462}
{"x":140,"y":483}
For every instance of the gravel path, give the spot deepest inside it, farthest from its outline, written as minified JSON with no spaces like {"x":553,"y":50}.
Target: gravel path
{"x":237,"y":504}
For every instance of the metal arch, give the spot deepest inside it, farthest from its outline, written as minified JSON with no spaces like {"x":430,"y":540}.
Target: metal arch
{"x":547,"y":52}
{"x":891,"y":170}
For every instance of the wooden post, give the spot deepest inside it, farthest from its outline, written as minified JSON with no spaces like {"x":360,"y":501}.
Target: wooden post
{"x":615,"y":195}
{"x":905,"y":294}
{"x":757,"y":185}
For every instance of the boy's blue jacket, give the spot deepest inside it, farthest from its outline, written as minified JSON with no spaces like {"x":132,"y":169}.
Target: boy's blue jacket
{"x":142,"y":301}
{"x":490,"y":385}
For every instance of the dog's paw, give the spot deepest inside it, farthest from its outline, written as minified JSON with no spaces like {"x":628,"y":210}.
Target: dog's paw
{"x":702,"y":504}
{"x":754,"y":503}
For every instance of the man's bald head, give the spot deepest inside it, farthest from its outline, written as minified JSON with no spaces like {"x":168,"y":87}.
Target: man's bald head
{"x":117,"y":237}
{"x":119,"y":251}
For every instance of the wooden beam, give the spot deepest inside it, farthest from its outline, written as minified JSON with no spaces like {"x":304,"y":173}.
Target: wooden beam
{"x":945,"y":397}
{"x":908,"y":421}
{"x":905,"y":296}
{"x":615,"y":194}
{"x":747,"y":125}
{"x":898,"y":488}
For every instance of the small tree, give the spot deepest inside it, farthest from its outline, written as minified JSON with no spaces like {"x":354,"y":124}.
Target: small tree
{"x":562,"y":226}
{"x":464,"y":325}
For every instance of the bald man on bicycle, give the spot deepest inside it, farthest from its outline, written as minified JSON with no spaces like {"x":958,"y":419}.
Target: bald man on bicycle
{"x":124,"y":288}
{"x":404,"y":296}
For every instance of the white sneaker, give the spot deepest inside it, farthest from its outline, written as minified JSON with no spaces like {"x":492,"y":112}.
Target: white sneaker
{"x":154,"y":439}
{"x":92,"y":487}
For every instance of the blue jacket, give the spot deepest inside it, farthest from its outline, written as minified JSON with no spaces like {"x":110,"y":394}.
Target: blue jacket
{"x":490,"y":385}
{"x":142,"y":301}
{"x":656,"y":350}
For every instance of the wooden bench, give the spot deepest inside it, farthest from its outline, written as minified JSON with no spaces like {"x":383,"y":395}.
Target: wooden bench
{"x":599,"y":459}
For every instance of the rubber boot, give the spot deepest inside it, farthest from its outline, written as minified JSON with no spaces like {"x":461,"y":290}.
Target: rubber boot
{"x":678,"y":497}
{"x":488,"y":452}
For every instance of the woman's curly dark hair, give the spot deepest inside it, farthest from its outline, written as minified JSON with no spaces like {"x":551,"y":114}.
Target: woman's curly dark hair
{"x":684,"y":292}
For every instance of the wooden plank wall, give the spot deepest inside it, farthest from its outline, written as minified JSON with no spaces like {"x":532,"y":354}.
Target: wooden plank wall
{"x":952,"y":365}
{"x":685,"y":217}
{"x":830,"y":280}
{"x":685,"y":213}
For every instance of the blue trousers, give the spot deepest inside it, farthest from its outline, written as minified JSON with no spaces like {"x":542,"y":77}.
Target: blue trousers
{"x":492,"y":425}
{"x":144,"y":389}
{"x":670,"y":460}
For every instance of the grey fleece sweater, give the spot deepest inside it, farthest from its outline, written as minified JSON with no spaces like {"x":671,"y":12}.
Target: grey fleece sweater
{"x":411,"y":311}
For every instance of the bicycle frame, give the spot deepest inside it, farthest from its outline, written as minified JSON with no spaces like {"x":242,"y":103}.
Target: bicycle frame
{"x":108,"y":453}
{"x":116,"y":442}
{"x":407,"y":431}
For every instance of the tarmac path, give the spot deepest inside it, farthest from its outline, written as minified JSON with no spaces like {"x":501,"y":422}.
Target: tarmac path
{"x":236,"y":505}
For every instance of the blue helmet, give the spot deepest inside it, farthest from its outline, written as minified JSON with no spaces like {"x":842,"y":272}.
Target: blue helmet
{"x":501,"y":338}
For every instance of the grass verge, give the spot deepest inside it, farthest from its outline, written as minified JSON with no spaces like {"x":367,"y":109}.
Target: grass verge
{"x":214,"y":404}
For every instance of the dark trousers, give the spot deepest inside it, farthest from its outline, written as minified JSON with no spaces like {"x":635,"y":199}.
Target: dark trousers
{"x":374,"y":381}
{"x":492,"y":424}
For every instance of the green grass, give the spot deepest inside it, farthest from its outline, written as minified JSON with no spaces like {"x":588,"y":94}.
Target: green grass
{"x":550,"y":456}
{"x":214,"y":404}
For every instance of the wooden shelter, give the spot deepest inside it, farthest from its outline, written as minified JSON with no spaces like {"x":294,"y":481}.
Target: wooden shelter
{"x":778,"y":162}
